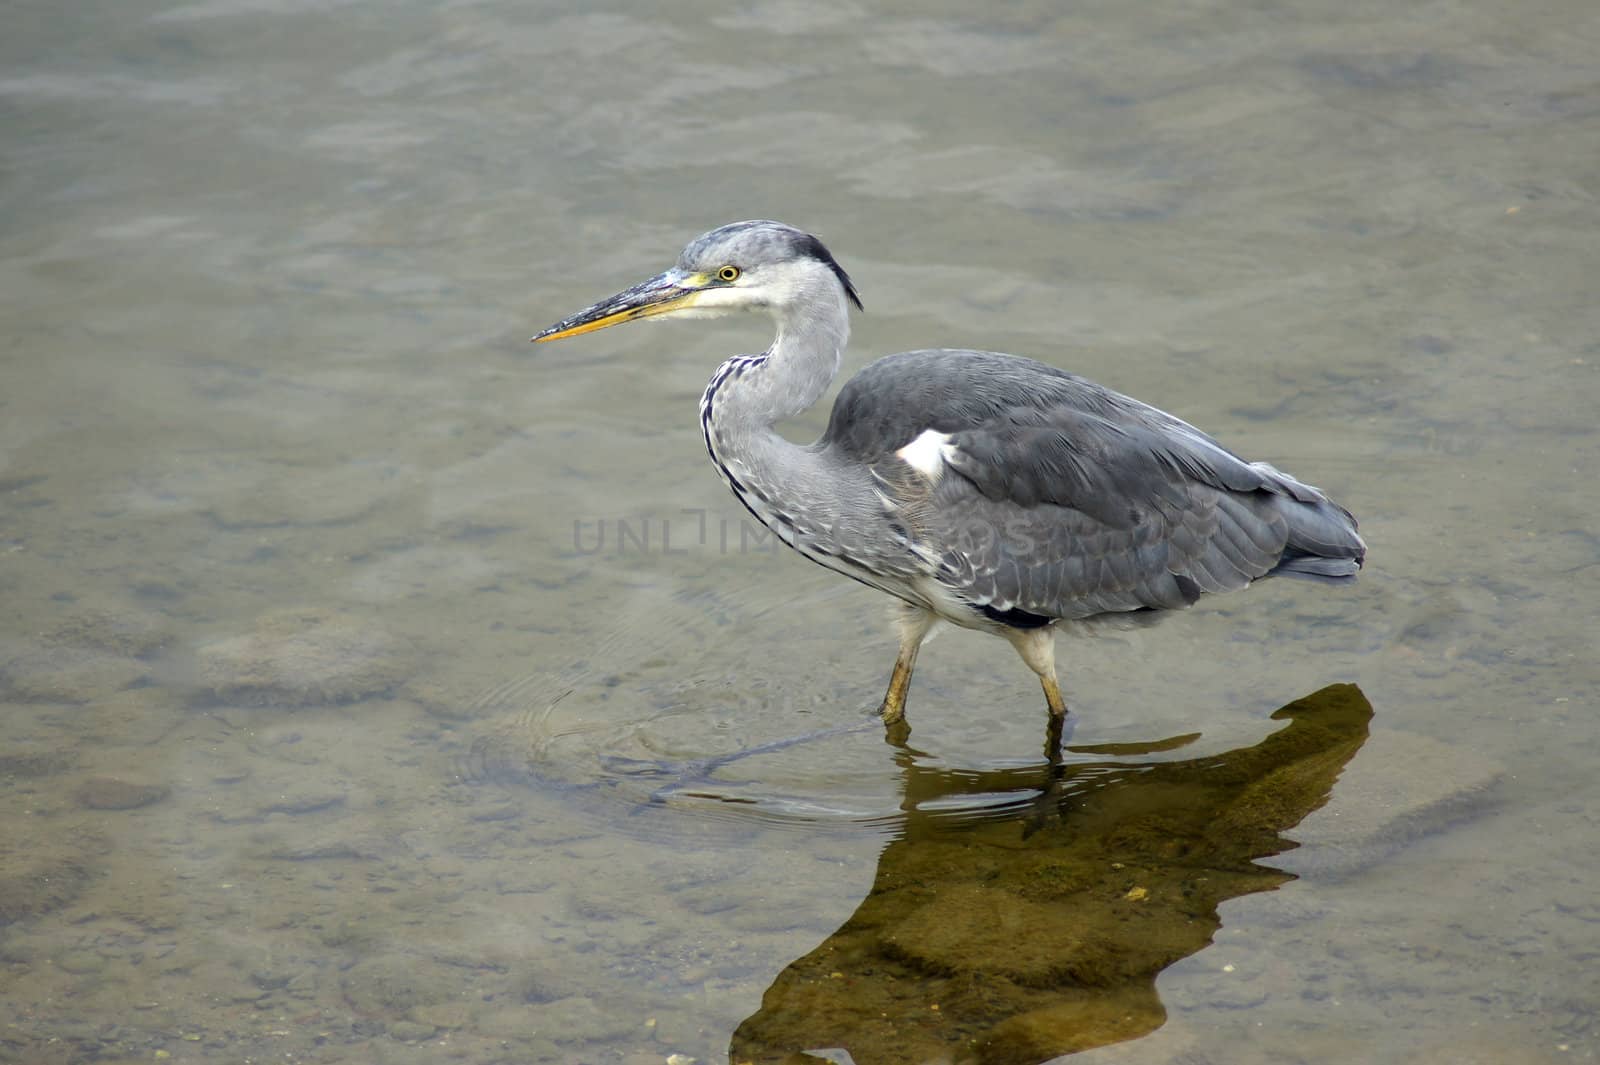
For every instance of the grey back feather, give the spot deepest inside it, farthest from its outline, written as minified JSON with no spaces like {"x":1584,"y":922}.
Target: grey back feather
{"x":1066,"y":499}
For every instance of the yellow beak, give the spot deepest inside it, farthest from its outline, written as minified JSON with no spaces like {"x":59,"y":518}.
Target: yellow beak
{"x":662,"y":294}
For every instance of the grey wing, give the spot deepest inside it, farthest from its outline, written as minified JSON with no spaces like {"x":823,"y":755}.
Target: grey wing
{"x":1067,"y":509}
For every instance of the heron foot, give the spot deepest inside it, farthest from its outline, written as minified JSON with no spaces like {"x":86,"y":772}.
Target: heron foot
{"x":896,"y":732}
{"x":1057,"y":731}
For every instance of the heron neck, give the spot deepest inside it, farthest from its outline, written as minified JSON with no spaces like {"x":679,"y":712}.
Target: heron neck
{"x":750,"y":394}
{"x":796,"y":370}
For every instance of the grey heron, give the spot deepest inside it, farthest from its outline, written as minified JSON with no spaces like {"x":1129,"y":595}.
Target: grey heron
{"x":991,"y":491}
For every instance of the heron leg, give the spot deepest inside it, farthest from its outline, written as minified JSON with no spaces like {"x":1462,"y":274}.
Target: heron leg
{"x":914,"y":623}
{"x":1038,"y":649}
{"x":893,"y":707}
{"x":1052,"y":694}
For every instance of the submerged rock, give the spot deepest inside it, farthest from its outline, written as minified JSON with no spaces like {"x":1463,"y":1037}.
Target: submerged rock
{"x":49,"y":672}
{"x":128,"y":633}
{"x":90,"y":655}
{"x":302,"y":658}
{"x":44,"y":866}
{"x":392,"y":984}
{"x":26,"y":761}
{"x":113,"y":793}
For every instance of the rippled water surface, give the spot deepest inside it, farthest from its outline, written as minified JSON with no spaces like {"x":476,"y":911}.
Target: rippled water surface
{"x":376,"y":687}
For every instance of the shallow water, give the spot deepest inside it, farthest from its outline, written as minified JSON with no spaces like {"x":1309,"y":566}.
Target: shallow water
{"x":377,"y":688}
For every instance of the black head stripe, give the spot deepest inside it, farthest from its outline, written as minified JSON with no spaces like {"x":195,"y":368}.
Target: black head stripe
{"x":813,"y":247}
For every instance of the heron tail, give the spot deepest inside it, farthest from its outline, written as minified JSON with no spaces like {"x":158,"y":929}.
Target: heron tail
{"x":1317,"y":568}
{"x":1323,"y":543}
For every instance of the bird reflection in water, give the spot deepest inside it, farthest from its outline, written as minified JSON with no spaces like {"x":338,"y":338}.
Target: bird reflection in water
{"x":1025,"y":913}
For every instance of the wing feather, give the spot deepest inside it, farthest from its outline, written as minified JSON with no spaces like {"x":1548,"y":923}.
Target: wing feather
{"x":1063,"y":498}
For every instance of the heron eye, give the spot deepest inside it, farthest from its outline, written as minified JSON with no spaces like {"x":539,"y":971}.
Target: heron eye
{"x":728,"y":273}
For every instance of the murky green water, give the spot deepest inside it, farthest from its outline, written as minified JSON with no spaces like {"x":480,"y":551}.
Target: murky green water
{"x":376,"y":688}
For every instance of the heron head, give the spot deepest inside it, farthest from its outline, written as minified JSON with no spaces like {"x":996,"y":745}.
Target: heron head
{"x":743,"y":266}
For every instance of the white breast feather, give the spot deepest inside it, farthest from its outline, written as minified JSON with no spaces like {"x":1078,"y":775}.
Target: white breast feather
{"x":927,"y":453}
